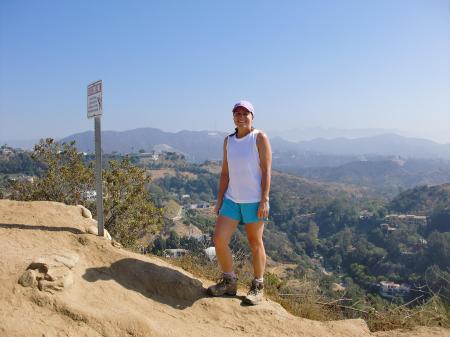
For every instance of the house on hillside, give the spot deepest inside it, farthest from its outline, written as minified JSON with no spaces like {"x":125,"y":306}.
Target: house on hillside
{"x":365,"y":214}
{"x":90,"y":195}
{"x":407,"y":219}
{"x":204,"y":238}
{"x":391,"y":290}
{"x":198,"y":206}
{"x":175,"y":253}
{"x":23,"y":178}
{"x":6,"y":151}
{"x":387,"y":227}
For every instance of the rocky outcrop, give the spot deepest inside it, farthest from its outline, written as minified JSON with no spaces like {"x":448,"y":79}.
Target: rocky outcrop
{"x":85,"y":212}
{"x":51,"y":272}
{"x":94,"y":230}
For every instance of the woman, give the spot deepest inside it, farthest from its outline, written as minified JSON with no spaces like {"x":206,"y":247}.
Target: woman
{"x":243,"y":197}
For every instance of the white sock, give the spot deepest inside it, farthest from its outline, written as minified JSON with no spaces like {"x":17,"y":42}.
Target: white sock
{"x":259,"y":280}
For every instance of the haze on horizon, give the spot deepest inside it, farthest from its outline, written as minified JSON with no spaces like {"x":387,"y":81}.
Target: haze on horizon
{"x":181,"y":65}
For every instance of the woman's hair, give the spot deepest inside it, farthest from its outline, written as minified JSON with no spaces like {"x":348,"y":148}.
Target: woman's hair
{"x":235,"y":132}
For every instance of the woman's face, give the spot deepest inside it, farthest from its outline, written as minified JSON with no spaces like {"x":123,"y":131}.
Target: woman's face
{"x":242,"y":117}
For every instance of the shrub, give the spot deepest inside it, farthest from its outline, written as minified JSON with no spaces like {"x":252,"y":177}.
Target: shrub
{"x":128,"y":210}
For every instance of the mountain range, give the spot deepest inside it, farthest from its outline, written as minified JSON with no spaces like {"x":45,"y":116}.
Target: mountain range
{"x":385,"y":177}
{"x":198,"y":146}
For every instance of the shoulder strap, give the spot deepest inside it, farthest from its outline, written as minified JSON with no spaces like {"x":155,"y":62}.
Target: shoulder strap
{"x":233,"y":134}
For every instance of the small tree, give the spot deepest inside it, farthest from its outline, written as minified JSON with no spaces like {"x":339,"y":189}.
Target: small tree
{"x":192,"y":244}
{"x":128,"y":210}
{"x":64,"y":178}
{"x":159,"y":245}
{"x":173,"y":241}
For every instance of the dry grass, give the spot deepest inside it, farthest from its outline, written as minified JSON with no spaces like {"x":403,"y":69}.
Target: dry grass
{"x":303,"y":298}
{"x":432,"y":313}
{"x":160,"y":173}
{"x":303,"y":304}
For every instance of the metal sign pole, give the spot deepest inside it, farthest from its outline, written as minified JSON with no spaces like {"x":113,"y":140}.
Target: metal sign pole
{"x":98,"y":175}
{"x":95,"y":110}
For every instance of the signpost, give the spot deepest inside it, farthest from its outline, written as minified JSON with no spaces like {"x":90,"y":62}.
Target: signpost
{"x":95,"y":110}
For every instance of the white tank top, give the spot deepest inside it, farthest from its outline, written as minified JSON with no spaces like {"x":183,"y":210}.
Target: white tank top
{"x":244,"y":170}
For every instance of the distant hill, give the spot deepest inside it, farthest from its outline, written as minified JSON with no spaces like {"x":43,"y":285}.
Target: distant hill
{"x":298,"y":188}
{"x":198,"y":146}
{"x":384,"y":176}
{"x":305,"y":134}
{"x":422,"y":199}
{"x":384,"y":144}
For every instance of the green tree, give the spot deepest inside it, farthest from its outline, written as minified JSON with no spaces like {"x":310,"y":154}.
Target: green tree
{"x":192,"y":244}
{"x":439,"y":249}
{"x":439,"y":221}
{"x":336,"y":215}
{"x":159,"y":244}
{"x":129,"y":212}
{"x":438,"y":281}
{"x":65,"y":175}
{"x":173,"y":241}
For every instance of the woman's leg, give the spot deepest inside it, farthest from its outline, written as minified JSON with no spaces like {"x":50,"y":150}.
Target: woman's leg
{"x":225,"y":228}
{"x":255,"y":239}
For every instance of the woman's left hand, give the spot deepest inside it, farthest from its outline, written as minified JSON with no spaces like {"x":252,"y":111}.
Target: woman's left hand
{"x":263,"y":210}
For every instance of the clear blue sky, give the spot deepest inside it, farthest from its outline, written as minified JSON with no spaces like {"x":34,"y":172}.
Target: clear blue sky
{"x":182,"y":64}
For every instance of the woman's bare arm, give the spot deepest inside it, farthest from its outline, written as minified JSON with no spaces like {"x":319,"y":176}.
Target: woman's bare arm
{"x":224,"y":178}
{"x":265,"y":159}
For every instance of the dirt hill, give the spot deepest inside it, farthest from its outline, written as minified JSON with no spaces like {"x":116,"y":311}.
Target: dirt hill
{"x":79,"y":284}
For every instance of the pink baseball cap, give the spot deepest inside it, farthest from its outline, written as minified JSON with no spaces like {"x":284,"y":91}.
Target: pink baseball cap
{"x":245,"y":104}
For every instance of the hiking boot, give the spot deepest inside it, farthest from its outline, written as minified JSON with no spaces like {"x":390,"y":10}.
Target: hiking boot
{"x":225,"y":286}
{"x":256,"y":293}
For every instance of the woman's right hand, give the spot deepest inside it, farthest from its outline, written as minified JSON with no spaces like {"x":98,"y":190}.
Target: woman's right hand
{"x":217,"y":207}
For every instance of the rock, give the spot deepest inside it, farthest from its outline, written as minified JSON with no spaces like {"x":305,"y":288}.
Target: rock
{"x":51,"y":272}
{"x":56,"y":273}
{"x":63,"y":281}
{"x":45,"y":262}
{"x":83,"y":240}
{"x":116,"y":244}
{"x":28,"y":279}
{"x":94,"y":230}
{"x":85,"y":212}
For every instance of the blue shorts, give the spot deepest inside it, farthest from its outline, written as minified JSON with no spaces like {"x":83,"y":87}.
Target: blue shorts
{"x":243,"y":212}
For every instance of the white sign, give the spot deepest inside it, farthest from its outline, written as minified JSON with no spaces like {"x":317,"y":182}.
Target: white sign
{"x":95,"y":99}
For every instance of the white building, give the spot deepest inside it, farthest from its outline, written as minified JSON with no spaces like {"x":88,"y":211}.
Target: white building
{"x":407,"y":219}
{"x":174,"y":253}
{"x":210,"y":253}
{"x":391,"y":289}
{"x":90,"y":195}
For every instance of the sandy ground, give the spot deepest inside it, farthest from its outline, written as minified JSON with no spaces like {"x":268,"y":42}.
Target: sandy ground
{"x":119,"y":293}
